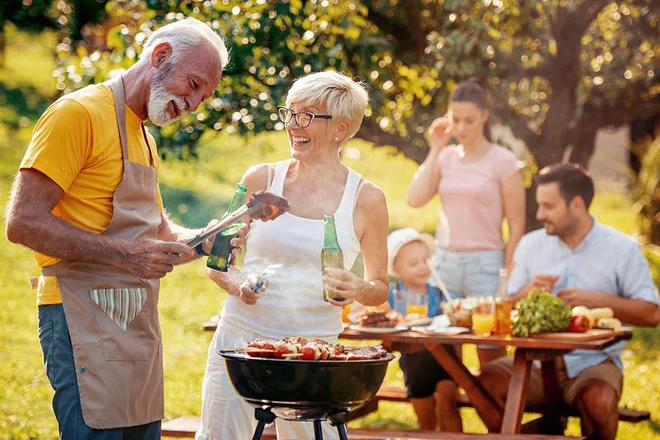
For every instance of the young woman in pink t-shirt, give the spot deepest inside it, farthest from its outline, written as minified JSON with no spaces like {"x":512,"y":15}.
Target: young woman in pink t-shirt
{"x":480,"y":185}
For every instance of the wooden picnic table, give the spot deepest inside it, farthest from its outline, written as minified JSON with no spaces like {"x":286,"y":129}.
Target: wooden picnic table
{"x":497,"y":416}
{"x":504,"y":417}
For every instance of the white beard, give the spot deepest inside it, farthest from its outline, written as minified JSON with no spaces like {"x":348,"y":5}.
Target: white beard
{"x":159,"y":99}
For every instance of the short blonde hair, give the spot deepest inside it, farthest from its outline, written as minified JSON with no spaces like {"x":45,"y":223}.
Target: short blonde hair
{"x":343,"y":97}
{"x":184,"y":35}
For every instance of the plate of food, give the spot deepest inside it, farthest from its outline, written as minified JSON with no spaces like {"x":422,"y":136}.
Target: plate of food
{"x":415,"y":320}
{"x":440,"y":330}
{"x":376,"y":320}
{"x":379,"y":330}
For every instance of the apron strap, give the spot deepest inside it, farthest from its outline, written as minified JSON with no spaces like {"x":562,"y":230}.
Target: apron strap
{"x":120,"y":111}
{"x":117,"y":86}
{"x":146,"y":141}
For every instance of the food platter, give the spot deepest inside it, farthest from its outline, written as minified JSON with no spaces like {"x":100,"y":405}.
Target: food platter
{"x":379,"y":330}
{"x":417,"y":322}
{"x":451,"y":330}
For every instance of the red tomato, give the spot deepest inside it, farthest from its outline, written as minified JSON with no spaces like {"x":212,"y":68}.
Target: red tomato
{"x":579,"y":324}
{"x":322,"y":350}
{"x":267,"y":346}
{"x":308,"y":353}
{"x":281,"y":350}
{"x":254,"y":346}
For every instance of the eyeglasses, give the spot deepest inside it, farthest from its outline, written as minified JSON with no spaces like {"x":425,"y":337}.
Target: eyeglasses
{"x":303,"y":119}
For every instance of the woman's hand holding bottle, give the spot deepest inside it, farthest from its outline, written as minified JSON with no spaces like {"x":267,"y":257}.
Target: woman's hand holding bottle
{"x":343,"y":286}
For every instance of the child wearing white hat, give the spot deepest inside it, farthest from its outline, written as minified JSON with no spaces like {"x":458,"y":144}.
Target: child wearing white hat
{"x":430,"y":388}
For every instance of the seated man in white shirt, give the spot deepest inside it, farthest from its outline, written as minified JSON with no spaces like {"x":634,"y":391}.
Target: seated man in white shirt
{"x":586,"y":264}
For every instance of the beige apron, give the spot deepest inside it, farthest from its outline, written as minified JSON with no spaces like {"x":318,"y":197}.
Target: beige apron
{"x":112,"y":315}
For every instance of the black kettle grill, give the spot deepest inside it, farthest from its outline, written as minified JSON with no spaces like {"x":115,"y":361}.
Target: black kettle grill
{"x":305,"y":390}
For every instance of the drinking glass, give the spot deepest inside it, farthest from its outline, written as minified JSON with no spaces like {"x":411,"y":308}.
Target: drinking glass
{"x":483,"y":317}
{"x":418,"y":304}
{"x":345,"y":314}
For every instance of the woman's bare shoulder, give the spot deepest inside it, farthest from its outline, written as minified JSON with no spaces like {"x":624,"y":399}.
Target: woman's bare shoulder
{"x":371,"y":196}
{"x":256,"y":177}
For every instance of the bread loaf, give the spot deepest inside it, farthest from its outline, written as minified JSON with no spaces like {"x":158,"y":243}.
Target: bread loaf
{"x":602,"y":312}
{"x":611,"y":323}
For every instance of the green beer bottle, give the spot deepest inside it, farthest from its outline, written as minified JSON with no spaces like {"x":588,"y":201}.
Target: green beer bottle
{"x":219,"y":258}
{"x":331,"y":255}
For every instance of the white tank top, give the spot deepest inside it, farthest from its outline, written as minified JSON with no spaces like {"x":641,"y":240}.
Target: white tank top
{"x":293,"y":303}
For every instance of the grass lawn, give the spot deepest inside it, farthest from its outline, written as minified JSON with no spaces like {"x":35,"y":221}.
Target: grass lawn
{"x":194,"y":193}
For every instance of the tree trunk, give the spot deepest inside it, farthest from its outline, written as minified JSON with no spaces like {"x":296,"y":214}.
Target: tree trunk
{"x":583,"y":143}
{"x":546,"y":152}
{"x":370,"y":131}
{"x":530,"y":209}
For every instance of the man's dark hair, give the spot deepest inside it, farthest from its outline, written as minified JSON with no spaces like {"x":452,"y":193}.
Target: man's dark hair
{"x":573,"y":181}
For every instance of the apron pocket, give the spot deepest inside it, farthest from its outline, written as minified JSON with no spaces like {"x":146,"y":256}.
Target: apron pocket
{"x":117,"y":308}
{"x":121,"y":305}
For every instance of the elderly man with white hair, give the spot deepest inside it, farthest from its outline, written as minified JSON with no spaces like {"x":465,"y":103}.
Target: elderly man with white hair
{"x":86,"y":200}
{"x":322,"y":111}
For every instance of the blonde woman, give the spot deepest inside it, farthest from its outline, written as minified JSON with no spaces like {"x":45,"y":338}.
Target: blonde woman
{"x":322,"y":111}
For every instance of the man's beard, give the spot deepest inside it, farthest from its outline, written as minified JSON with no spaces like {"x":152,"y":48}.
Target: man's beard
{"x":562,"y":228}
{"x":550,"y":228}
{"x":160,"y":98}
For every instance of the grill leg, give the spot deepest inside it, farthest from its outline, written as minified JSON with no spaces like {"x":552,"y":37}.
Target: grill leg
{"x":259,"y":431}
{"x":339,"y":419}
{"x":264,"y":416}
{"x":318,"y":430}
{"x":342,"y":431}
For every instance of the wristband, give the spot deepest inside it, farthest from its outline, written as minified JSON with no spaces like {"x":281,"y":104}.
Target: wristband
{"x":199,"y":250}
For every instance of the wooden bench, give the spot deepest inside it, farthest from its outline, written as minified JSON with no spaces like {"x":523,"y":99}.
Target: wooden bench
{"x":398,"y":394}
{"x":182,"y":427}
{"x":185,"y":427}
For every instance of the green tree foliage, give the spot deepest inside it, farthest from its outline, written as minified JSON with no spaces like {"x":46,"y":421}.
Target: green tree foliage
{"x":36,"y":16}
{"x":23,"y":103}
{"x":558,"y":70}
{"x":33,"y":16}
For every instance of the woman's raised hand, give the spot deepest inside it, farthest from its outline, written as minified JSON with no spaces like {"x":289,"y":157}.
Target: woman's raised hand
{"x":439,"y":132}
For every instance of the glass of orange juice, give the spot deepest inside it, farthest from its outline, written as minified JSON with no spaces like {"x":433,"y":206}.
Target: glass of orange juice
{"x":418,"y":304}
{"x":345,"y":312}
{"x":483,"y":317}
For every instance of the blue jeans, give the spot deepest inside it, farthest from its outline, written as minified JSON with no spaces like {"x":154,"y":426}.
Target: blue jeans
{"x":468,"y":274}
{"x":61,"y":371}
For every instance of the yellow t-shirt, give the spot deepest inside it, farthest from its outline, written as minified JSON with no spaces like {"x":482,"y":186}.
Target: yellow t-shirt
{"x":76,"y":144}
